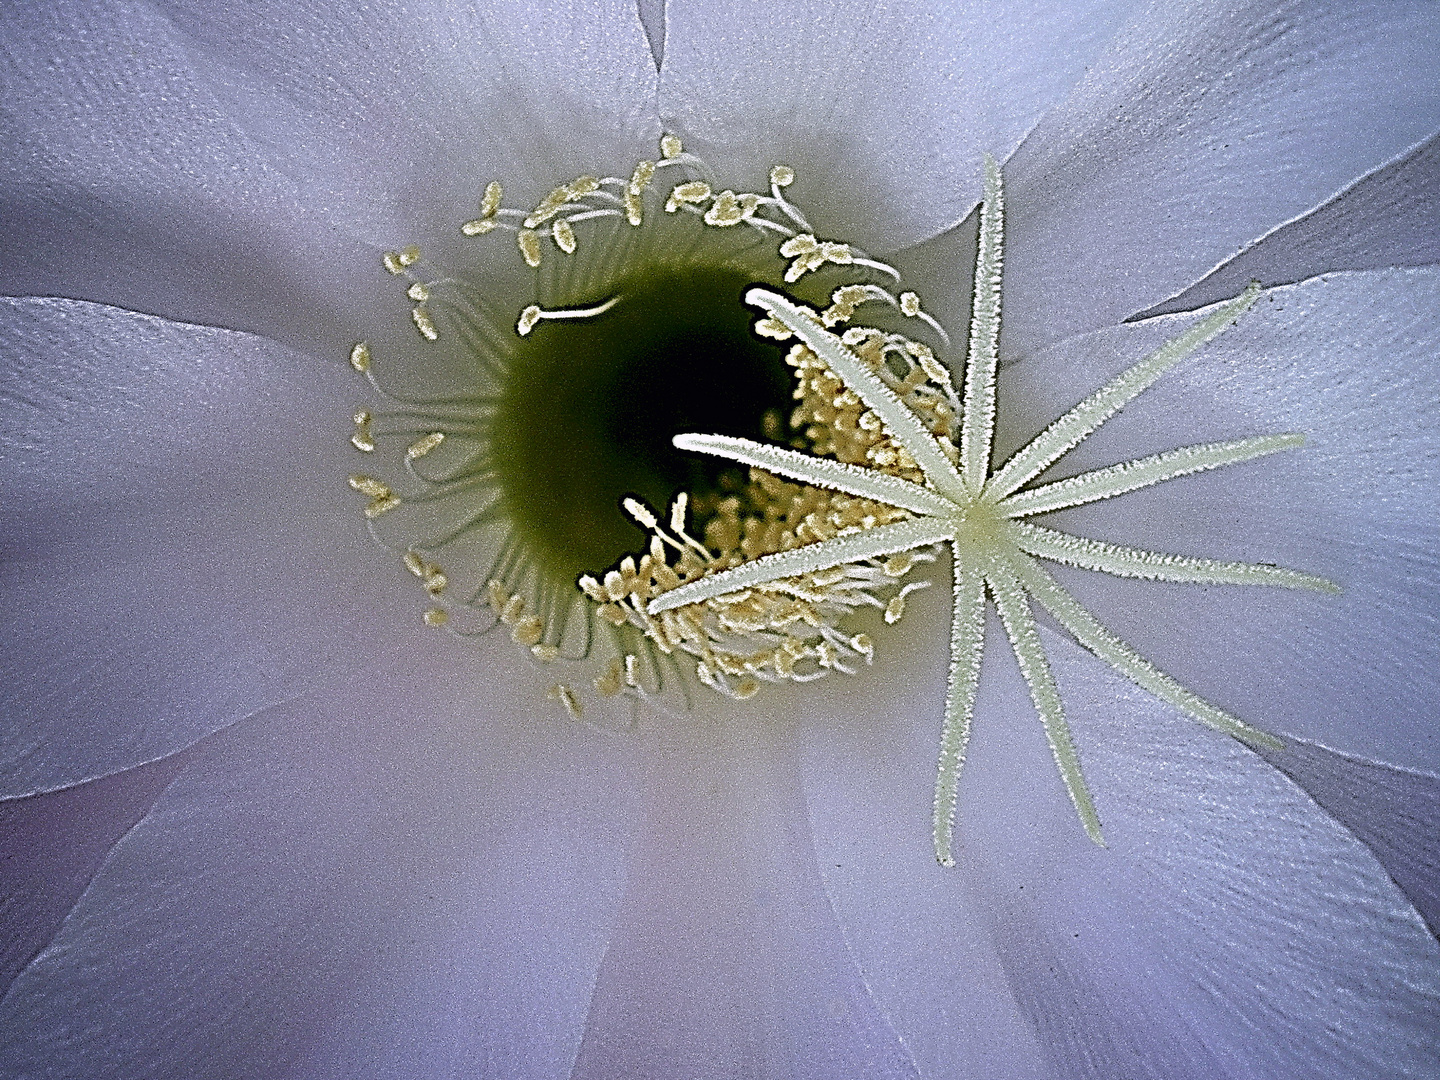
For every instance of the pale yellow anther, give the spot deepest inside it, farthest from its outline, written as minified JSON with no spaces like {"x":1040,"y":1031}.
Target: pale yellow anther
{"x":769,"y":327}
{"x":632,"y":673}
{"x":843,"y":302}
{"x":634,"y":207}
{"x":362,"y":439}
{"x":490,"y":202}
{"x":802,"y":244}
{"x":423,"y":445}
{"x":670,"y":147}
{"x":435,"y":581}
{"x":609,"y":682}
{"x":381,"y":504}
{"x":392,"y":262}
{"x":415,"y":563}
{"x":690,"y":192}
{"x":369,"y":486}
{"x":418,"y":292}
{"x":496,"y":594}
{"x":677,"y":512}
{"x":935,"y":371}
{"x":528,"y":631}
{"x":549,"y":206}
{"x":894,"y":610}
{"x":591,"y":588}
{"x":545,"y":652}
{"x":614,"y":614}
{"x":583,"y":185}
{"x":640,"y":512}
{"x":615,"y":586}
{"x":862,"y":644}
{"x":424,"y":323}
{"x":910,"y":304}
{"x":436,"y":616}
{"x":513,"y":610}
{"x":563,"y":694}
{"x":730,"y":209}
{"x":899,"y":565}
{"x":641,"y":177}
{"x":360,"y":357}
{"x":745,"y":689}
{"x":782,"y":176}
{"x":528,"y":241}
{"x":409,"y":256}
{"x":528,"y":319}
{"x":479,"y":226}
{"x":563,"y":235}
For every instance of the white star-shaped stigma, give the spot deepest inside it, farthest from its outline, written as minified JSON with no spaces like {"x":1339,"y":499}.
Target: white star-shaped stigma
{"x":984,"y":515}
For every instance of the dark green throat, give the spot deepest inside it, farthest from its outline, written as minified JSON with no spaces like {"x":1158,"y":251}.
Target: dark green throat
{"x":588,"y":408}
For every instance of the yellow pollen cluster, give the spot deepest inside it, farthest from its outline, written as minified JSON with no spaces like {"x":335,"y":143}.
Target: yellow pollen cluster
{"x":786,"y":630}
{"x":810,"y":254}
{"x":381,"y":498}
{"x":489,"y":209}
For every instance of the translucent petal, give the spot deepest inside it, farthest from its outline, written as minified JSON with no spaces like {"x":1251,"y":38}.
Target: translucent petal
{"x":886,"y":111}
{"x":1389,"y":217}
{"x":1199,"y":130}
{"x":175,"y":555}
{"x":726,"y":960}
{"x":1230,"y":929}
{"x":355,"y":888}
{"x":225,"y":172}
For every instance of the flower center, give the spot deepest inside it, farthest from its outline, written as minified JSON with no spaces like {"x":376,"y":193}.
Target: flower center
{"x":527,"y":442}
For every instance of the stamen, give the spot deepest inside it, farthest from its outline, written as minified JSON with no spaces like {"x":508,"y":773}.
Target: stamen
{"x":534,"y":314}
{"x":529,"y":243}
{"x":362,"y":439}
{"x":423,"y":446}
{"x":424,"y":323}
{"x":563,"y":235}
{"x":689,"y":193}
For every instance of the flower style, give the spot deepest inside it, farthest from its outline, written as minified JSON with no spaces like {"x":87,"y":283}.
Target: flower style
{"x":261,"y":820}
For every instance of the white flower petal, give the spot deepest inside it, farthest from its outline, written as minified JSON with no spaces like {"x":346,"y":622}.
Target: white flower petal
{"x":180,"y":545}
{"x":245,"y":166}
{"x":1389,"y":217}
{"x":725,"y":959}
{"x":55,"y":842}
{"x":887,"y":109}
{"x":924,"y":948}
{"x":1231,"y":929}
{"x":1394,"y":812}
{"x":1200,"y":130}
{"x":1349,"y":361}
{"x":367,"y":889}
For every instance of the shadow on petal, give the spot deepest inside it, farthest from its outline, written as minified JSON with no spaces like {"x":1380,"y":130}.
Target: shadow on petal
{"x":1394,"y":812}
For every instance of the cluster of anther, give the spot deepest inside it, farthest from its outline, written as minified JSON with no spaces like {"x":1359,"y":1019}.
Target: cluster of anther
{"x":791,"y":631}
{"x":982,"y":514}
{"x":787,"y":630}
